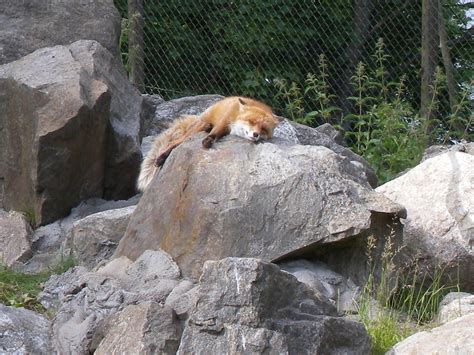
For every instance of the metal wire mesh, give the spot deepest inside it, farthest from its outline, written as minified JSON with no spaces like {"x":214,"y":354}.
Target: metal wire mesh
{"x":245,"y":47}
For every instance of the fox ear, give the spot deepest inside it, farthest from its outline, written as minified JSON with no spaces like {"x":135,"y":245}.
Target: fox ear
{"x":242,"y":102}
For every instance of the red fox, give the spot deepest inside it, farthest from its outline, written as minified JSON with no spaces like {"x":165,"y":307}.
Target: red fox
{"x":240,"y":116}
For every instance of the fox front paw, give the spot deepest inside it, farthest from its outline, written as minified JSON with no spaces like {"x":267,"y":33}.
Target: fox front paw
{"x":207,"y":142}
{"x":160,"y":160}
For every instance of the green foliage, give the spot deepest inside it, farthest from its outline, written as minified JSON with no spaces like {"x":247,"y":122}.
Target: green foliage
{"x":399,"y":303}
{"x":124,"y":52}
{"x":316,"y":94}
{"x":30,"y":216}
{"x":461,"y":121}
{"x":237,"y":47}
{"x":386,"y":131}
{"x":242,"y":47}
{"x":385,"y":128}
{"x":20,"y":290}
{"x":293,"y":99}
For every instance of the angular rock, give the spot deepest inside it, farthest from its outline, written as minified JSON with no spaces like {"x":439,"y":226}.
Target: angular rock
{"x":285,"y":130}
{"x":31,"y":25}
{"x":146,"y":144}
{"x":52,"y":244}
{"x":72,"y":109}
{"x":15,"y":234}
{"x":1,"y":179}
{"x":317,"y":275}
{"x":59,"y":288}
{"x":23,"y":332}
{"x":326,"y":137}
{"x":149,"y":104}
{"x":123,"y":143}
{"x":267,"y":201}
{"x":439,"y":229}
{"x":55,"y":121}
{"x":248,"y":306}
{"x":183,"y":303}
{"x":454,"y":337}
{"x":95,"y":237}
{"x":86,"y":299}
{"x":331,"y":132}
{"x":147,"y":328}
{"x":455,"y":305}
{"x":436,"y":150}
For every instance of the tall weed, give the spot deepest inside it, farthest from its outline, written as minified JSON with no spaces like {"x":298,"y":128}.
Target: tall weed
{"x":398,"y":303}
{"x":385,"y":128}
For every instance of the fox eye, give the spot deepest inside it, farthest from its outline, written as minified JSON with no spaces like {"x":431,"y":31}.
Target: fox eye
{"x":264,"y":131}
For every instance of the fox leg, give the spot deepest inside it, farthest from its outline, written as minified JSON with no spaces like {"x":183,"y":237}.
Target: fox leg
{"x":217,"y":132}
{"x":200,"y":126}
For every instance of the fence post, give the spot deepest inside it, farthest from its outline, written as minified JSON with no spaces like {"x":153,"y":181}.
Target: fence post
{"x":429,"y":43}
{"x":136,"y":43}
{"x":448,"y":64}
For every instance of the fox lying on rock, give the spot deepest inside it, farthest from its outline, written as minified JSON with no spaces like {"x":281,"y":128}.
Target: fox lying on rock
{"x":240,"y":116}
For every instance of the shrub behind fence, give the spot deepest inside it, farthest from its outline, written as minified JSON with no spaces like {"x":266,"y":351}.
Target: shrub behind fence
{"x":176,"y":48}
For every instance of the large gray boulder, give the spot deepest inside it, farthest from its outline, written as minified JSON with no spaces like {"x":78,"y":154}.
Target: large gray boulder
{"x":55,"y":122}
{"x":15,"y":235}
{"x":26,"y":26}
{"x":70,"y":130}
{"x":454,"y":337}
{"x":439,"y":229}
{"x":268,"y":201}
{"x":248,"y":306}
{"x":23,"y":332}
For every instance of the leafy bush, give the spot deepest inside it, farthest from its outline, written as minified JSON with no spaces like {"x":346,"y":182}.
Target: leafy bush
{"x":384,"y":127}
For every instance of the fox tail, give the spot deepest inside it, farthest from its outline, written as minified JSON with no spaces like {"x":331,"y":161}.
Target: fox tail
{"x":148,"y":168}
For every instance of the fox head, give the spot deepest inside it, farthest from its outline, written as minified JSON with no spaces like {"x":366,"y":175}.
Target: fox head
{"x":254,"y":122}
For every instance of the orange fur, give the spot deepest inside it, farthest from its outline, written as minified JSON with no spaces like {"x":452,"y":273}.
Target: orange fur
{"x":241,"y":116}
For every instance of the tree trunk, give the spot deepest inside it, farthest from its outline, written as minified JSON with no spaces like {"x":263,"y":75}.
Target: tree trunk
{"x":354,"y":51}
{"x":136,"y":43}
{"x":447,"y":62}
{"x":429,"y":58}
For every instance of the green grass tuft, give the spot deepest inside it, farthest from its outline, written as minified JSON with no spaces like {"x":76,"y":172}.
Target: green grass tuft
{"x":400,"y":303}
{"x":20,"y":290}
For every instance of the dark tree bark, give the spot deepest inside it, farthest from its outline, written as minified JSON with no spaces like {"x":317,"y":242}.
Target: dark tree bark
{"x":136,"y":43}
{"x":362,"y":12}
{"x":447,"y":62}
{"x":429,"y":54}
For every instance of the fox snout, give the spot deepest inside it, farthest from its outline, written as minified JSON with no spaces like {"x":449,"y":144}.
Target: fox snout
{"x":253,"y":135}
{"x":245,"y":131}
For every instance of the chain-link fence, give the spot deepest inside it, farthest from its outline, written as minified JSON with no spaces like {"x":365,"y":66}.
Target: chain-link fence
{"x":266,"y":49}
